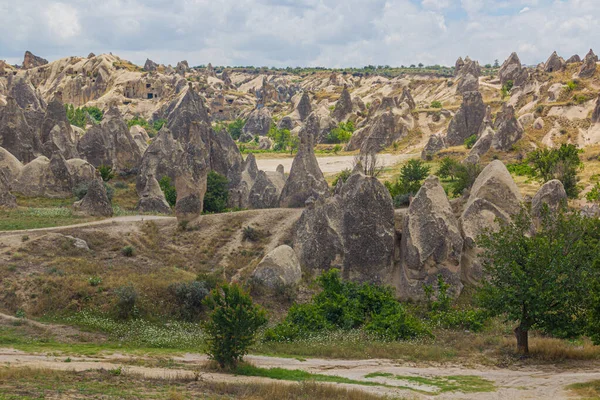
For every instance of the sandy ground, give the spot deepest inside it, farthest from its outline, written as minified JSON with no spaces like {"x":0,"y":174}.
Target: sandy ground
{"x":523,"y":383}
{"x":331,"y":164}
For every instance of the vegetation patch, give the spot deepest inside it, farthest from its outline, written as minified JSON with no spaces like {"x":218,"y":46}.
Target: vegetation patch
{"x":444,"y":384}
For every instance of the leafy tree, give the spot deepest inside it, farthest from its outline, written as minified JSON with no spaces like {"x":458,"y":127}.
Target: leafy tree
{"x":562,"y":164}
{"x":157,"y":125}
{"x":496,"y":63}
{"x":465,"y":177}
{"x":106,"y":172}
{"x":436,"y":104}
{"x":448,"y":167}
{"x":593,"y":195}
{"x":341,"y":134}
{"x":217,"y":195}
{"x":470,"y":141}
{"x":235,"y":128}
{"x":232,"y":324}
{"x":281,"y":138}
{"x":506,"y":88}
{"x":412,"y":175}
{"x":77,"y":116}
{"x":169,"y":190}
{"x":539,"y":280}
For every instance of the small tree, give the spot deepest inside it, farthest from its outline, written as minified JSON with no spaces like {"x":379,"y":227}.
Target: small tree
{"x":448,"y":167}
{"x":539,"y":280}
{"x":412,"y":175}
{"x":106,"y":172}
{"x":436,"y":104}
{"x":232,"y":324}
{"x":562,"y":164}
{"x":235,"y":128}
{"x":169,"y":190}
{"x":217,"y":195}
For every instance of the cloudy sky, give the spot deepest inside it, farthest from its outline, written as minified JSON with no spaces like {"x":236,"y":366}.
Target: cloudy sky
{"x":332,"y":33}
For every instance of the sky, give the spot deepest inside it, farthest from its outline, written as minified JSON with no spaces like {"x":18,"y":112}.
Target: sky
{"x":281,"y":33}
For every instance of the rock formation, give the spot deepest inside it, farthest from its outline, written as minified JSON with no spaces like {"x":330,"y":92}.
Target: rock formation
{"x":431,"y":242}
{"x":508,"y":129}
{"x":588,"y":68}
{"x":16,"y":135}
{"x":435,"y":144}
{"x":152,"y":198}
{"x":343,"y":107}
{"x":467,"y":120}
{"x":9,"y":165}
{"x":258,"y":123}
{"x":150,"y":65}
{"x":56,"y":132}
{"x":494,"y":196}
{"x":381,"y":133}
{"x":303,"y":107}
{"x":407,"y":98}
{"x":512,"y":70}
{"x":278,"y":269}
{"x":467,"y":76}
{"x":352,"y":231}
{"x":596,"y":112}
{"x":182,"y":67}
{"x":553,"y":194}
{"x":266,"y":190}
{"x":483,"y":144}
{"x":7,"y":200}
{"x":306,"y":179}
{"x":554,"y":63}
{"x":574,"y":59}
{"x":31,"y":61}
{"x":95,"y":203}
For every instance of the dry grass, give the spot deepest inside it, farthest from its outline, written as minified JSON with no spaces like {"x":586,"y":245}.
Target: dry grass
{"x":586,"y":391}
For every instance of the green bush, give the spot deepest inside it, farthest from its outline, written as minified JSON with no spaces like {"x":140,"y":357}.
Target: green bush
{"x":151,"y":128}
{"x":343,"y":175}
{"x":447,"y":169}
{"x":436,"y":104}
{"x":341,"y":134}
{"x":235,"y":128}
{"x":412,"y":175}
{"x":347,"y":305}
{"x":189,"y":297}
{"x":562,"y":163}
{"x":520,"y":169}
{"x":506,"y":88}
{"x":76,"y":116}
{"x":169,"y":190}
{"x":217,"y":195}
{"x":572,"y":85}
{"x":465,"y":177}
{"x":470,"y":141}
{"x":126,"y":302}
{"x":106,"y":172}
{"x":282,"y":139}
{"x":128,"y":251}
{"x":232,"y":324}
{"x":593,"y":195}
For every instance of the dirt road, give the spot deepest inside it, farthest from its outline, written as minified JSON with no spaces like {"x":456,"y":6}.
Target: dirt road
{"x":523,"y":383}
{"x":331,"y":164}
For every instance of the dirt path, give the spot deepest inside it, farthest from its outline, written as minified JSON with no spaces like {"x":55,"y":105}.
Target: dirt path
{"x":331,"y":164}
{"x":523,"y":383}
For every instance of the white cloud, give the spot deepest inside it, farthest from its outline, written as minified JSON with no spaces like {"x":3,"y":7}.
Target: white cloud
{"x":62,"y":21}
{"x":524,"y":10}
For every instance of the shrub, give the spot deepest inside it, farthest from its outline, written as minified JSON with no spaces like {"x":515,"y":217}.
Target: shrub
{"x":128,"y":251}
{"x":506,"y":88}
{"x":235,"y":128}
{"x":520,"y":169}
{"x":562,"y":164}
{"x":282,"y":138}
{"x":169,"y":190}
{"x":470,"y":141}
{"x":436,"y":104}
{"x":95,"y":281}
{"x":448,"y":167}
{"x":189,"y":297}
{"x":126,"y":301}
{"x":593,"y":195}
{"x":341,"y":134}
{"x":394,"y":323}
{"x":106,"y":172}
{"x":77,"y":116}
{"x":252,"y":234}
{"x":217,"y":195}
{"x":572,"y":85}
{"x":343,"y":175}
{"x":465,"y":177}
{"x":411,"y":177}
{"x":232,"y":324}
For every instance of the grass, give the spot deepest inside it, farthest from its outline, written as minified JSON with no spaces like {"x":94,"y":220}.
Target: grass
{"x":33,"y":218}
{"x":443,"y":384}
{"x":27,"y":383}
{"x":586,"y":390}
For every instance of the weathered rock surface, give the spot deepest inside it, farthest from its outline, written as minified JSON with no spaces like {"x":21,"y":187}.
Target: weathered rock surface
{"x":7,"y":200}
{"x":469,"y":83}
{"x":152,"y":198}
{"x":407,"y":98}
{"x":435,"y":144}
{"x":588,"y":68}
{"x":512,"y":70}
{"x":56,"y":132}
{"x":538,"y":123}
{"x":150,"y":65}
{"x":467,"y":120}
{"x":31,"y":61}
{"x":343,"y":107}
{"x":10,"y":165}
{"x":95,"y":203}
{"x":279,"y":268}
{"x":266,"y":190}
{"x":596,"y":112}
{"x":306,"y":179}
{"x":16,"y":136}
{"x":483,"y":144}
{"x":554,"y":63}
{"x":303,"y":107}
{"x":494,"y":196}
{"x":383,"y":131}
{"x":352,"y":231}
{"x":431,"y":242}
{"x":259,"y":122}
{"x":508,"y":129}
{"x":553,"y":194}
{"x":574,"y":59}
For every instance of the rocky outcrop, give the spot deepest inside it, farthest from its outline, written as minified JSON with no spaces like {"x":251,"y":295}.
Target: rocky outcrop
{"x":467,"y":75}
{"x":182,"y":67}
{"x":343,"y":107}
{"x":9,"y":165}
{"x":150,"y":65}
{"x":32,"y":61}
{"x":435,"y":144}
{"x":508,"y":129}
{"x":265,"y":143}
{"x":240,"y":197}
{"x":258,"y":123}
{"x":554,"y":63}
{"x":538,"y":124}
{"x":467,"y":120}
{"x":574,"y":59}
{"x":469,"y":83}
{"x":140,"y":137}
{"x":306,"y":179}
{"x":111,"y":143}
{"x":152,"y":198}
{"x":266,"y":190}
{"x":431,"y":242}
{"x":280,"y":268}
{"x":552,"y":194}
{"x":484,"y":143}
{"x":596,"y":112}
{"x":588,"y":68}
{"x":95,"y":203}
{"x":56,"y":132}
{"x":494,"y":197}
{"x":16,"y":136}
{"x":352,"y":231}
{"x":303,"y":107}
{"x":407,"y":98}
{"x":7,"y":200}
{"x":512,"y":70}
{"x":383,"y":131}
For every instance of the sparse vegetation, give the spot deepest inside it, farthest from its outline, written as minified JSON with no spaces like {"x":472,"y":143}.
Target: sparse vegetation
{"x":506,"y":88}
{"x":436,"y":104}
{"x":561,"y":163}
{"x":80,"y":116}
{"x":470,"y":141}
{"x":342,"y":133}
{"x":168,"y":190}
{"x":106,"y":172}
{"x":412,"y":175}
{"x":217,"y":194}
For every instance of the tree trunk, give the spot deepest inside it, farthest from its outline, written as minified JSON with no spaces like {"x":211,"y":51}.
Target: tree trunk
{"x":522,"y":335}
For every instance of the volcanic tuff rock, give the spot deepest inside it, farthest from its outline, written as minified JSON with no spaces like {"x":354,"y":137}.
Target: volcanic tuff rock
{"x":574,"y":59}
{"x":239,"y":198}
{"x":467,"y":75}
{"x":435,"y":144}
{"x":182,"y":67}
{"x":407,"y":98}
{"x":467,"y":120}
{"x":150,"y":65}
{"x":306,"y":179}
{"x":259,"y":122}
{"x":31,"y":61}
{"x":588,"y":68}
{"x":303,"y":107}
{"x":56,"y":132}
{"x":266,"y":190}
{"x":484,"y":142}
{"x":383,"y":131}
{"x":152,"y":198}
{"x":554,"y":63}
{"x":431,"y":242}
{"x":494,"y":195}
{"x":16,"y":135}
{"x":343,"y":107}
{"x":10,"y":165}
{"x":7,"y":200}
{"x":95,"y":203}
{"x":596,"y":112}
{"x":469,"y":83}
{"x":352,"y":231}
{"x":279,"y":268}
{"x":553,"y":194}
{"x":508,"y":129}
{"x":512,"y":70}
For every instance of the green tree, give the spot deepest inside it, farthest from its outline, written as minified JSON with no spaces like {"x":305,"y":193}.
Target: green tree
{"x":169,"y":190}
{"x":496,"y":64}
{"x":539,"y":280}
{"x":436,"y":104}
{"x":106,"y":172}
{"x":235,"y":128}
{"x":217,"y":195}
{"x":470,"y":141}
{"x":465,"y":177}
{"x":412,"y":175}
{"x":506,"y":88}
{"x":281,"y":138}
{"x":562,"y":164}
{"x":341,"y":134}
{"x":448,"y":167}
{"x":232,"y":324}
{"x":593,"y":195}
